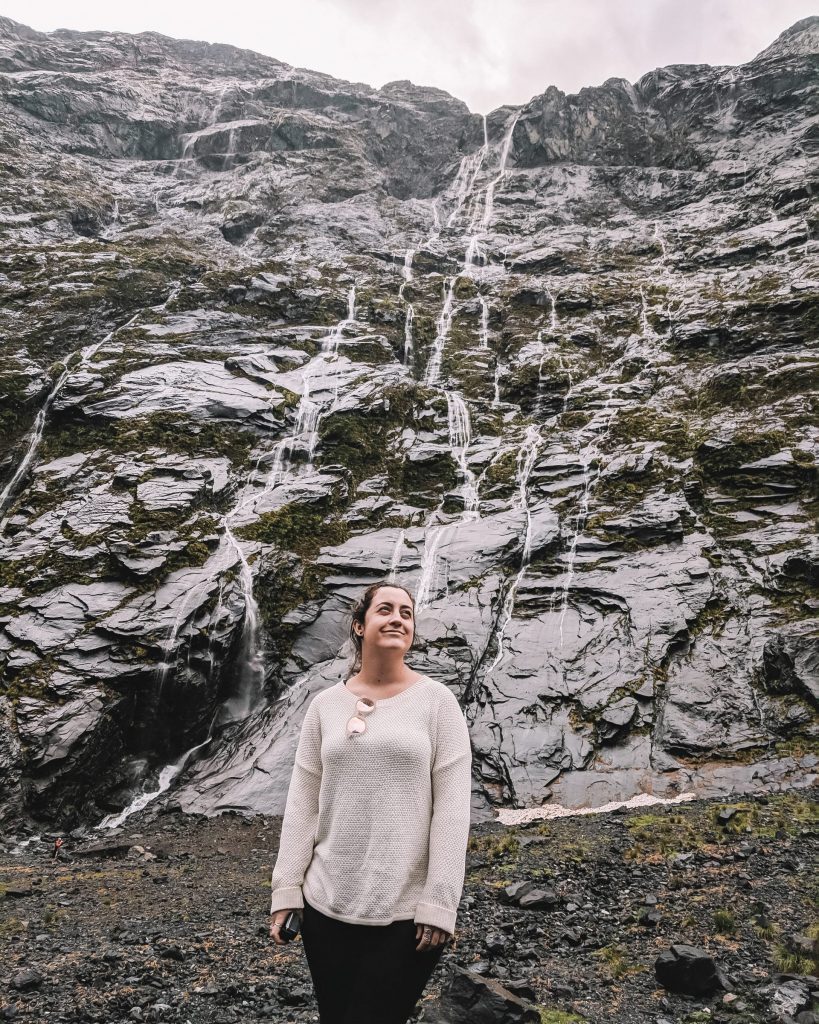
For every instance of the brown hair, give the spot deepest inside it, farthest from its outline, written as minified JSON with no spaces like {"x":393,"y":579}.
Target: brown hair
{"x":359,"y":613}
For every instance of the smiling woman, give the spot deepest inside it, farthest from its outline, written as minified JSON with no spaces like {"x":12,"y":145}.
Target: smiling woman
{"x":372,"y":852}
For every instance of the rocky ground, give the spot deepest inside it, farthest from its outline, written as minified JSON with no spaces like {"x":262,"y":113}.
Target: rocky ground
{"x":167,"y":920}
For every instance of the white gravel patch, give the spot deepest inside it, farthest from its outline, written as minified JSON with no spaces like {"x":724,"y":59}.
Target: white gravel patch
{"x":517,"y":817}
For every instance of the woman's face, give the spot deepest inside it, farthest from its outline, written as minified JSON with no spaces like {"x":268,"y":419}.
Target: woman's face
{"x":390,"y":620}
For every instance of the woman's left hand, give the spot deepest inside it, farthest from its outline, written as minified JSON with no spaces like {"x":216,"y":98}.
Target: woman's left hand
{"x":431,"y":938}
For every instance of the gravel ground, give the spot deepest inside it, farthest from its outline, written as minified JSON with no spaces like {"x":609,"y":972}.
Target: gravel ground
{"x":169,"y":921}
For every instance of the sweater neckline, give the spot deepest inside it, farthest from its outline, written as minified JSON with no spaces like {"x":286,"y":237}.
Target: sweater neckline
{"x":385,"y":700}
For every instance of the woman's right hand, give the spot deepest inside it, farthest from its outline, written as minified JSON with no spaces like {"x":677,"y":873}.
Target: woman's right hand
{"x":276,"y":922}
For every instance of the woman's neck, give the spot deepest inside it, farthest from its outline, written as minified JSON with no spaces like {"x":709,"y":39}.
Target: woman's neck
{"x":375,"y":674}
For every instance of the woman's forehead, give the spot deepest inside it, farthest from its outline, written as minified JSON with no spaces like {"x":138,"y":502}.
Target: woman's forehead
{"x":390,"y":595}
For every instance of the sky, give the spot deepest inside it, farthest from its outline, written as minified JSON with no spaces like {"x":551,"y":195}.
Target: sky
{"x":485,"y":52}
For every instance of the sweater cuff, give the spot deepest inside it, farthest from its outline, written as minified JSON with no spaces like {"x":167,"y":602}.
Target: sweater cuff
{"x":437,"y":917}
{"x":289,"y":898}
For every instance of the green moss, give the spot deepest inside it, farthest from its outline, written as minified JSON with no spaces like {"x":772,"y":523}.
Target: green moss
{"x":655,"y":836}
{"x":746,"y":445}
{"x":281,"y":587}
{"x":645,"y":424}
{"x":616,"y":959}
{"x":173,"y":432}
{"x":711,"y":618}
{"x":575,"y":419}
{"x":551,"y":1015}
{"x":296,"y":527}
{"x":501,"y":474}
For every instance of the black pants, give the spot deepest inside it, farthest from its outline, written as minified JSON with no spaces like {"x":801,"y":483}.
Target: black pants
{"x":365,"y":974}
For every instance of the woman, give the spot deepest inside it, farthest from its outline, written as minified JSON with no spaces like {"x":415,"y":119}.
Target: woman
{"x":373,"y":842}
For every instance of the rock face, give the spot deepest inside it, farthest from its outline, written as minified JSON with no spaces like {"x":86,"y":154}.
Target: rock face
{"x":271,"y":336}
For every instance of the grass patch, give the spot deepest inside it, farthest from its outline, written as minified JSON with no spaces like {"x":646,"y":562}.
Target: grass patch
{"x":655,"y":836}
{"x":615,"y":957}
{"x":550,"y":1015}
{"x":494,"y":847}
{"x":724,"y":922}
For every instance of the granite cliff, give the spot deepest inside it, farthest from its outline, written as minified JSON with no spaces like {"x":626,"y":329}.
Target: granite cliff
{"x":269,"y":336}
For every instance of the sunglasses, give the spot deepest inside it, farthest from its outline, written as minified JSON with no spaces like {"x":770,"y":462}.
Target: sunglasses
{"x":364,"y":706}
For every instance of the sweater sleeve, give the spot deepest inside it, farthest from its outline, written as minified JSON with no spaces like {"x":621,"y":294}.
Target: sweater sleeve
{"x":300,"y":821}
{"x":449,"y":824}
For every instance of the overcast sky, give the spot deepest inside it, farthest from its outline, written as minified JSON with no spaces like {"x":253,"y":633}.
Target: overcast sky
{"x":486,"y":52}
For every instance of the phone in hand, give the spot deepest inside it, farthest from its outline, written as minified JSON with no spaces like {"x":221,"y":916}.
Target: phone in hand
{"x":290,"y":929}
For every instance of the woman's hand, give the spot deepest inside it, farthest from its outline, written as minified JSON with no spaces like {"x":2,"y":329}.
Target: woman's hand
{"x":276,"y":922}
{"x":431,"y":938}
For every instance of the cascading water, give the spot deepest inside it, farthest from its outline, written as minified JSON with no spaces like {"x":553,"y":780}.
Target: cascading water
{"x":395,"y":561}
{"x":36,"y":435}
{"x":251,"y":664}
{"x":527,"y":455}
{"x":587,"y":455}
{"x":433,"y":367}
{"x":484,"y":322}
{"x":489,"y":205}
{"x":166,"y":776}
{"x":410,"y":312}
{"x":468,"y":171}
{"x":330,"y":343}
{"x":460,"y":432}
{"x":249,"y":691}
{"x":427,"y":581}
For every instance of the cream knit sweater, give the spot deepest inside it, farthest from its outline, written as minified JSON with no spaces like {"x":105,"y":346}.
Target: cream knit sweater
{"x":375,"y":827}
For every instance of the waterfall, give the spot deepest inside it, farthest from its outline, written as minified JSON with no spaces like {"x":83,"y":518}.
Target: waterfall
{"x":581,"y":516}
{"x":429,"y":565}
{"x":397,"y":551}
{"x":166,"y":777}
{"x":496,"y":384}
{"x":216,"y":610}
{"x":251,"y":667}
{"x":460,"y":437}
{"x":433,"y":367}
{"x":436,"y":222}
{"x":484,"y":322}
{"x":489,"y":204}
{"x":36,"y":434}
{"x":330,"y":343}
{"x":553,"y":321}
{"x":410,"y":312}
{"x":527,"y":455}
{"x":468,"y":171}
{"x":227,"y":160}
{"x":408,"y":333}
{"x":166,"y":664}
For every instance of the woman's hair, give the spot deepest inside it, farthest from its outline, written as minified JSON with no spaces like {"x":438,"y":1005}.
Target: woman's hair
{"x":359,"y":613}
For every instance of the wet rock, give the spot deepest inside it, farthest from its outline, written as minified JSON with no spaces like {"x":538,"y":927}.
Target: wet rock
{"x":468,"y":998}
{"x":790,"y":660}
{"x":687,"y":969}
{"x":790,"y":999}
{"x":25,"y":980}
{"x":224,"y":319}
{"x":537,"y":899}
